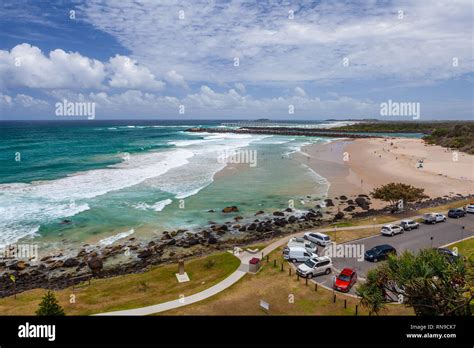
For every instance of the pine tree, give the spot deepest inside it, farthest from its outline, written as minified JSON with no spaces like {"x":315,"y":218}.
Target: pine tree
{"x":49,"y":306}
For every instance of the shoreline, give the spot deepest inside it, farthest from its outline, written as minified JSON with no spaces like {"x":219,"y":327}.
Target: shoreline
{"x":346,"y":199}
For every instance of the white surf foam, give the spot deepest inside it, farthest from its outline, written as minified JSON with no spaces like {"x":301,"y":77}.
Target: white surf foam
{"x":112,"y":239}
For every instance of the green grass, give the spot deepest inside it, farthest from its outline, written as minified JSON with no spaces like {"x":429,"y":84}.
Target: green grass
{"x":130,"y":291}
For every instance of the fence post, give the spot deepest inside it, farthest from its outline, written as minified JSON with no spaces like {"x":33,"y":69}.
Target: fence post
{"x":306,"y":280}
{"x":345,"y":303}
{"x":289,"y":271}
{"x":334,"y":299}
{"x":267,"y":258}
{"x":357,"y":307}
{"x":297,"y":276}
{"x":281,"y":267}
{"x":315,"y":286}
{"x":274,"y":263}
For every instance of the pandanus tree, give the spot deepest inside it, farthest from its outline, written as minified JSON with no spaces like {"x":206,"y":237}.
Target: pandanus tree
{"x":429,"y":282}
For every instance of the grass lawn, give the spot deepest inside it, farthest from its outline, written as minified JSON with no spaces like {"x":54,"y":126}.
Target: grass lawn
{"x":131,"y":290}
{"x":286,"y":296}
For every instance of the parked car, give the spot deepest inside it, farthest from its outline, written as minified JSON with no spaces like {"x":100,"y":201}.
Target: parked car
{"x":379,"y":252}
{"x":409,"y":225}
{"x":318,"y":238}
{"x":391,"y":230}
{"x":456,"y":213}
{"x":450,"y":254}
{"x":301,"y":242}
{"x":345,"y":280}
{"x":432,"y":218}
{"x":297,"y":254}
{"x":315,"y":266}
{"x":470,"y":208}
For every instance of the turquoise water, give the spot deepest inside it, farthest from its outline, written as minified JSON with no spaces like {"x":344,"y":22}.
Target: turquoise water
{"x":114,"y":179}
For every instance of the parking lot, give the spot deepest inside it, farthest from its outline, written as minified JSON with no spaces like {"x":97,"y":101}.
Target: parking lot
{"x":425,"y":236}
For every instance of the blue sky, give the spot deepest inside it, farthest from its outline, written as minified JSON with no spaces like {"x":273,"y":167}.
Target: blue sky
{"x":236,"y":59}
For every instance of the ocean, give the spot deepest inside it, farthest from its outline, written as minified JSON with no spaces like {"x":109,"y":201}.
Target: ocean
{"x":116,"y":179}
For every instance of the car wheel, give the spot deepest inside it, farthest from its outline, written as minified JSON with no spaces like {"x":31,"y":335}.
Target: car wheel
{"x":310,"y":275}
{"x":294,"y":260}
{"x":375,"y":259}
{"x":327,"y":271}
{"x":392,"y":234}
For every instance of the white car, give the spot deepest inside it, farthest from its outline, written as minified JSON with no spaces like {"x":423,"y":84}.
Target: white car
{"x":470,"y":208}
{"x":297,"y":254}
{"x":318,"y":238}
{"x":391,"y":230}
{"x":301,"y":242}
{"x":432,"y":218}
{"x":315,"y":266}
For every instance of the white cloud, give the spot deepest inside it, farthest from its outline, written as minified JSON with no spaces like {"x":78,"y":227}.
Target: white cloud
{"x":22,"y":101}
{"x":175,"y":79}
{"x":27,"y":66}
{"x":300,"y":92}
{"x":272,"y":47}
{"x":126,"y":73}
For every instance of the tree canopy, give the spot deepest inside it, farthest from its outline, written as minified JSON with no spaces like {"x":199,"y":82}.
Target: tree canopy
{"x":394,"y":192}
{"x":430,"y":283}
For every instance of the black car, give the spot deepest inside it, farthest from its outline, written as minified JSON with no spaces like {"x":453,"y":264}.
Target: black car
{"x":450,"y":254}
{"x":379,"y":252}
{"x":456,"y":213}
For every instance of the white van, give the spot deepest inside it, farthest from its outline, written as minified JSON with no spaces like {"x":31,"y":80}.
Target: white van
{"x":301,"y":242}
{"x":318,"y":238}
{"x":315,"y":266}
{"x":297,"y":254}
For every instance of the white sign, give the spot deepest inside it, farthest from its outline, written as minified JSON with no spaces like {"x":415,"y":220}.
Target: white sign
{"x":265,"y":305}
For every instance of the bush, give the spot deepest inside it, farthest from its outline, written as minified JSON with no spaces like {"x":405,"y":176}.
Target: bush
{"x":49,"y":306}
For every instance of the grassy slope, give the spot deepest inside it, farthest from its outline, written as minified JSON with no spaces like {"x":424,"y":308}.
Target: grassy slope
{"x":129,"y":291}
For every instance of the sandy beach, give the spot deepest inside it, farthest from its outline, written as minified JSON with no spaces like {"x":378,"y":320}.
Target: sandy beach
{"x":358,"y":166}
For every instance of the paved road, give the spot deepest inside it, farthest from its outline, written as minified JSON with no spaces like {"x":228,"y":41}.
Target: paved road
{"x":443,"y":233}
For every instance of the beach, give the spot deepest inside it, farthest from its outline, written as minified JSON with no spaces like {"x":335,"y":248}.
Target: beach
{"x":358,"y":166}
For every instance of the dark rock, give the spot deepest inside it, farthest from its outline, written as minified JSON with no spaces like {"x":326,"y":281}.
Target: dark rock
{"x":65,"y":221}
{"x":212,"y":240}
{"x":343,"y":198}
{"x":18,"y":266}
{"x":292,"y":219}
{"x":278,"y":213}
{"x":243,"y":229}
{"x":259,"y":212}
{"x":339,"y":216}
{"x":363,"y":203}
{"x":252,"y":227}
{"x":289,"y":210}
{"x":231,"y":209}
{"x":71,"y":262}
{"x":95,"y":264}
{"x":349,"y":208}
{"x":329,"y":202}
{"x":211,"y":211}
{"x":238,"y":218}
{"x":144,"y":254}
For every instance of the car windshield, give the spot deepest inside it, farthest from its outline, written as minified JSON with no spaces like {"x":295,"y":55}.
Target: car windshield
{"x":375,"y":250}
{"x":344,"y":277}
{"x":310,"y":263}
{"x":385,"y":228}
{"x":326,"y":238}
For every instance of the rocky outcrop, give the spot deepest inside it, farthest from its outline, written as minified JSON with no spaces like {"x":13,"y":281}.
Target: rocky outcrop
{"x":231,"y":209}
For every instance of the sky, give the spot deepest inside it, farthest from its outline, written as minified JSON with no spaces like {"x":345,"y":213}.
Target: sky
{"x":192,"y":59}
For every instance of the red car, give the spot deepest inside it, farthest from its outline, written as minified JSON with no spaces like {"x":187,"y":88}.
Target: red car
{"x":345,"y":280}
